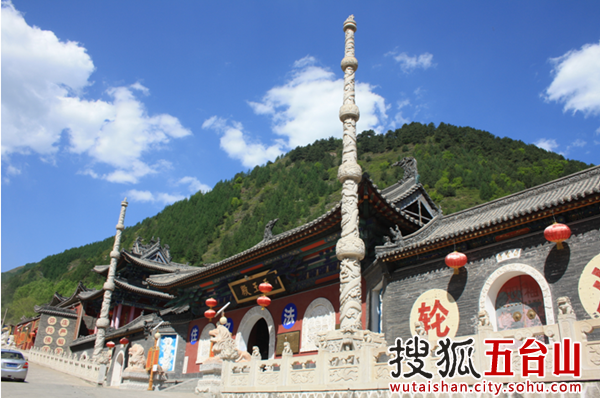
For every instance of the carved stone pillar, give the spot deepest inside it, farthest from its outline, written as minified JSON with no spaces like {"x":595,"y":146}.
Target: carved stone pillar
{"x":109,"y":285}
{"x":350,"y":249}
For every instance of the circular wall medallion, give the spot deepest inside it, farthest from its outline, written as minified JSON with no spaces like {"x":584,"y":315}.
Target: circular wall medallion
{"x":61,"y":341}
{"x":59,"y":350}
{"x":49,"y":329}
{"x":46,"y":348}
{"x":62,"y":332}
{"x":437,"y":310}
{"x":52,"y":320}
{"x":64,"y":322}
{"x":47,"y":340}
{"x":589,"y":287}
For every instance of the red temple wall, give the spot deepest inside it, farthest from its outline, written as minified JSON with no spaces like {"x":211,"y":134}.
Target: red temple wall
{"x":301,"y":300}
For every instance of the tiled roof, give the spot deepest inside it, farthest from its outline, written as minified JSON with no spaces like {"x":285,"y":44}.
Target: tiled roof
{"x":141,"y":291}
{"x":149,"y":264}
{"x":170,"y":279}
{"x":545,"y":196}
{"x":139,"y":323}
{"x":51,"y":310}
{"x":333,"y":216}
{"x":90,"y":294}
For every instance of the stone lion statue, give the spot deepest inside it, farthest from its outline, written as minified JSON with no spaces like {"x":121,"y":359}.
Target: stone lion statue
{"x":564,"y":305}
{"x":137,"y":360}
{"x":484,"y":319}
{"x":224,"y":346}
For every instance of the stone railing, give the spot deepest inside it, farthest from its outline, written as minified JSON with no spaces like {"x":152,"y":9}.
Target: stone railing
{"x":367,"y":368}
{"x":320,"y":372}
{"x":68,"y":363}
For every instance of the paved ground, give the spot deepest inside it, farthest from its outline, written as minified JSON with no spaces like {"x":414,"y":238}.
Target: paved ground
{"x":45,"y":382}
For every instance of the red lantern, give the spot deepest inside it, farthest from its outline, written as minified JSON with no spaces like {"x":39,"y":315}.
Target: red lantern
{"x":456,"y":260}
{"x":210,"y":314}
{"x":124,"y":340}
{"x":263,"y":301}
{"x":265,"y":287}
{"x":211,"y":302}
{"x":557,"y":233}
{"x":110,"y":344}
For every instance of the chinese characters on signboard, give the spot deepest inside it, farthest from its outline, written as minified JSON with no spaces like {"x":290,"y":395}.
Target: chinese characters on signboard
{"x":246,"y":289}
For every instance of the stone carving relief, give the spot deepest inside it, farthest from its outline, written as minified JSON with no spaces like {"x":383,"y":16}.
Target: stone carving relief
{"x":204,"y":344}
{"x":318,"y":317}
{"x":137,"y":359}
{"x":287,"y":349}
{"x":303,"y":377}
{"x":508,"y":255}
{"x":343,"y":374}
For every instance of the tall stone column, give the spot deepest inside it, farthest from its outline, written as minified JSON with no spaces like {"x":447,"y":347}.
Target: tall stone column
{"x":350,"y":249}
{"x":109,"y":285}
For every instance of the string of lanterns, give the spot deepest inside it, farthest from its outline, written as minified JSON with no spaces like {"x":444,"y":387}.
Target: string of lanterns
{"x":263,"y":300}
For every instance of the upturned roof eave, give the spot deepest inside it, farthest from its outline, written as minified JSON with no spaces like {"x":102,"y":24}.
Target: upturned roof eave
{"x":423,"y":239}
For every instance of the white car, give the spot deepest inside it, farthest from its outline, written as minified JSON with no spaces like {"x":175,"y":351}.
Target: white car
{"x":14,"y":365}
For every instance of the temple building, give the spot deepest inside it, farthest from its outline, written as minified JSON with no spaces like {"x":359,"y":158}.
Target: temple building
{"x":381,"y":266}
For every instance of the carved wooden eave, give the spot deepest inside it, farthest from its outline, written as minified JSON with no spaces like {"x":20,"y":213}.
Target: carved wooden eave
{"x":553,"y":198}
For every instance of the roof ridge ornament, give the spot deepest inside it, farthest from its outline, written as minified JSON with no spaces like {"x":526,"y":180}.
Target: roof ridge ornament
{"x":409,"y":164}
{"x":268,"y":235}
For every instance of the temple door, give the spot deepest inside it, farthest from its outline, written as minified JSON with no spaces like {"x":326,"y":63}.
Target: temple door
{"x":520,"y":304}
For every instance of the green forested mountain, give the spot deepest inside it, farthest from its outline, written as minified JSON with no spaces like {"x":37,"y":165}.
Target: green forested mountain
{"x":459,"y":166}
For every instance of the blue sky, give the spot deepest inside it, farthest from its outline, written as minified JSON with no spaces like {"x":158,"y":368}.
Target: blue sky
{"x":157,"y":100}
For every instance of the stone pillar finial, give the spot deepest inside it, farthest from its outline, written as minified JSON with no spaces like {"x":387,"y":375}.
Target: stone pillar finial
{"x":109,"y":285}
{"x":350,"y":249}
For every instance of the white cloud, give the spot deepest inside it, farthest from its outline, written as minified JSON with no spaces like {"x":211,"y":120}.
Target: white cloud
{"x":547,"y":144}
{"x":410,"y":63}
{"x":44,"y":81}
{"x":577,"y":80}
{"x":579,"y":143}
{"x":149,"y":197}
{"x":194,"y":185}
{"x":399,"y":119}
{"x":238,"y":145}
{"x":305,"y":108}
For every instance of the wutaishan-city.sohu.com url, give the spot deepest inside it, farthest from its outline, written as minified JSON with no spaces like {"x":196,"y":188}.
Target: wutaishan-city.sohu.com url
{"x":455,"y":360}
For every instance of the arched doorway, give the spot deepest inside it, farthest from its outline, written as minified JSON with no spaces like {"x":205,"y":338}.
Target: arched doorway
{"x":247,"y":325}
{"x":519,"y":304}
{"x":259,"y":337}
{"x":495,"y":282}
{"x":117,"y":370}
